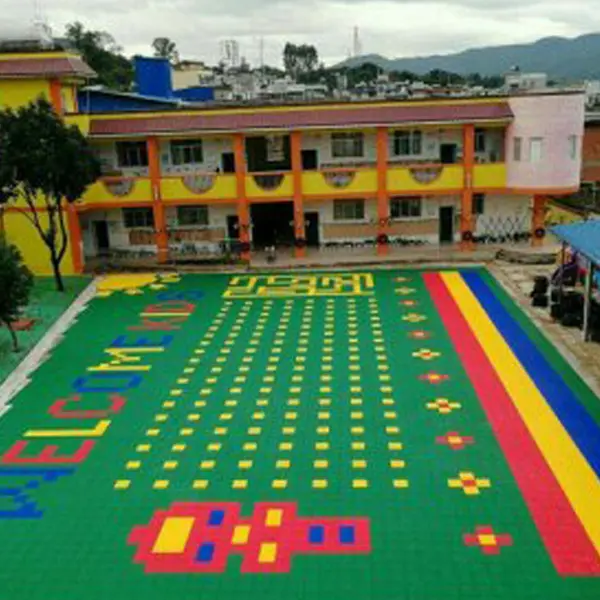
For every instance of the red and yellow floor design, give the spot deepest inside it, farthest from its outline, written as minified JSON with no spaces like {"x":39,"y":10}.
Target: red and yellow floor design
{"x":385,"y":434}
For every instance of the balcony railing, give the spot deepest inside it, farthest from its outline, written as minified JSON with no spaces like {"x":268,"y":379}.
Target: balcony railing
{"x":113,"y":190}
{"x":201,"y":185}
{"x":425,"y":178}
{"x":269,"y":184}
{"x":339,"y":180}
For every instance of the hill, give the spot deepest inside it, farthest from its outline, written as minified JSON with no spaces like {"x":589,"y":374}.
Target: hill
{"x":562,"y":58}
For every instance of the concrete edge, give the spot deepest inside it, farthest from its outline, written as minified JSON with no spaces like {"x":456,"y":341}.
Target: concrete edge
{"x":563,"y":350}
{"x":20,"y":377}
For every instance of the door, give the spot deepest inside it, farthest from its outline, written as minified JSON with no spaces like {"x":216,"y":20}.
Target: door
{"x":101,"y":237}
{"x":312,"y":228}
{"x":446,"y":224}
{"x":228,"y":162}
{"x":309,"y":160}
{"x":233,"y":231}
{"x":448,"y":154}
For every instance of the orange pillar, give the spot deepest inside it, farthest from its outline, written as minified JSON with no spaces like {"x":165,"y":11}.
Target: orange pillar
{"x":56,"y":96}
{"x":466,"y":221}
{"x":75,"y":237}
{"x":299,"y":221}
{"x":538,"y":221}
{"x":243,"y":208}
{"x":383,"y":204}
{"x":160,"y":224}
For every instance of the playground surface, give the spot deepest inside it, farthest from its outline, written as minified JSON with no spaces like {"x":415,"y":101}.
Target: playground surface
{"x":368,"y":435}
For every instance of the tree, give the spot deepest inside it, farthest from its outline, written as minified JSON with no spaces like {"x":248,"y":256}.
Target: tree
{"x":165,"y":48}
{"x":101,"y":52}
{"x":16,"y":282}
{"x":299,"y":59}
{"x":49,"y":164}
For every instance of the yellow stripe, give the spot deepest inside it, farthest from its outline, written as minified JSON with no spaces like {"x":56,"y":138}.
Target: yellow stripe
{"x":574,"y":474}
{"x":173,"y":535}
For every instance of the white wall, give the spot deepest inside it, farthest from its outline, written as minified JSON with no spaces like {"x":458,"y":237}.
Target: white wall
{"x":504,"y":214}
{"x":321,"y":142}
{"x":212,"y":149}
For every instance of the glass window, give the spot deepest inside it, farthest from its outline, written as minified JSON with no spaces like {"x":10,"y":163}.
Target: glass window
{"x":478,"y":204}
{"x":348,"y":210}
{"x":192,"y":215}
{"x":138,"y":217}
{"x":573,"y":139}
{"x":479,"y":140}
{"x":408,"y":143}
{"x":536,"y":149}
{"x":517,"y":149}
{"x":346,"y":145}
{"x":132,"y":154}
{"x":186,"y":152}
{"x":405,"y":207}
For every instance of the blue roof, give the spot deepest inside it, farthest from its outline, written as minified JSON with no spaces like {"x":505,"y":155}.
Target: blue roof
{"x":583,"y":236}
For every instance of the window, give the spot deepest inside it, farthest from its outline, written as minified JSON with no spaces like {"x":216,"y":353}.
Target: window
{"x":346,"y":145}
{"x":573,"y":147}
{"x":192,"y":215}
{"x":478,"y":204}
{"x":408,"y":143}
{"x":536,"y":149}
{"x":132,"y":154}
{"x":402,"y":208}
{"x":480,"y":140}
{"x":517,"y":149}
{"x":348,"y":210}
{"x":138,"y":217}
{"x":186,"y":152}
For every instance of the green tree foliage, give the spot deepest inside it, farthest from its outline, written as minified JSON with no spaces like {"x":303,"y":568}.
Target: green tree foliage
{"x":299,"y":59}
{"x":100,"y":51}
{"x":165,"y":48}
{"x":16,"y":282}
{"x":46,"y":164}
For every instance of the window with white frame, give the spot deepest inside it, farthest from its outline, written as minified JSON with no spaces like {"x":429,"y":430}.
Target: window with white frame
{"x":408,"y":143}
{"x":349,"y":210}
{"x":536,"y":149}
{"x":573,"y":139}
{"x":186,"y":152}
{"x":480,"y":140}
{"x":132,"y":154}
{"x":405,"y":207}
{"x":347,"y":145}
{"x":517,"y":149}
{"x":138,"y":217}
{"x":196,"y":214}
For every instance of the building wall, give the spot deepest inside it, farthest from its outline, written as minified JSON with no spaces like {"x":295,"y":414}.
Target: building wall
{"x":18,"y":92}
{"x":553,"y":118}
{"x":591,"y":153}
{"x":212,"y":149}
{"x":504,"y":214}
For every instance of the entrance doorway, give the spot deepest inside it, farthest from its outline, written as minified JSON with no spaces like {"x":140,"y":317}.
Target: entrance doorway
{"x":312,"y":228}
{"x":272,"y":224}
{"x":446,"y":224}
{"x":233,"y":230}
{"x":448,"y":154}
{"x":101,"y":237}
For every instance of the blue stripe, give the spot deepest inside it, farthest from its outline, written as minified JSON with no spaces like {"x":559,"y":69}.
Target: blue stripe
{"x":575,"y":419}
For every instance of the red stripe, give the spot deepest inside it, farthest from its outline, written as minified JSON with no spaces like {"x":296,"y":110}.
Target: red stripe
{"x":565,"y":539}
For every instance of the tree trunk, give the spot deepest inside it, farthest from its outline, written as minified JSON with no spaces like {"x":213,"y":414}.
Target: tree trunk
{"x":13,"y":335}
{"x":60,"y":286}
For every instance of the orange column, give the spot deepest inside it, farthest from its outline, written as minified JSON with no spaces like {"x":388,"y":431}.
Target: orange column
{"x":243,"y":208}
{"x":56,"y":96}
{"x":466,"y":221}
{"x":299,"y":221}
{"x":383,"y":204}
{"x":160,"y":224}
{"x":538,"y":221}
{"x":75,"y":238}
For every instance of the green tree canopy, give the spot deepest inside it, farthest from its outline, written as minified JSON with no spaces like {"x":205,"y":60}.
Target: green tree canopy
{"x":165,"y":48}
{"x":299,"y":59}
{"x":16,"y":281}
{"x":101,"y":52}
{"x":46,"y":163}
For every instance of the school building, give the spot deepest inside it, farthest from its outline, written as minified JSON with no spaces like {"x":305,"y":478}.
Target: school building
{"x":381,"y":173}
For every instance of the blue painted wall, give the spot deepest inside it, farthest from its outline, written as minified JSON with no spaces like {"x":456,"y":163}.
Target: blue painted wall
{"x":196,"y":94}
{"x":153,"y":77}
{"x":96,"y":101}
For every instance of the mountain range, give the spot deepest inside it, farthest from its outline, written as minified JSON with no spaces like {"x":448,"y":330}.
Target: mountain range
{"x":569,"y":59}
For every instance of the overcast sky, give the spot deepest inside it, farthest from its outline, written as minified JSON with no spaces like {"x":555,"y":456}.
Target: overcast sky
{"x":390,"y":27}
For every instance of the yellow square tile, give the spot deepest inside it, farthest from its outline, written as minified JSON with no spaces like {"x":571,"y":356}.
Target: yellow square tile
{"x":286,"y":446}
{"x":205,"y":391}
{"x":122,"y":484}
{"x":325,"y":402}
{"x":262,"y":402}
{"x":357,"y":430}
{"x":397,"y":464}
{"x":319,"y":483}
{"x":391,"y":429}
{"x":389,"y":415}
{"x":325,"y":389}
{"x":359,"y":464}
{"x":220,"y":430}
{"x":211,"y":380}
{"x":245,"y":464}
{"x":161,"y":418}
{"x":291,"y":416}
{"x":207,"y":465}
{"x":254,"y":430}
{"x":394,"y":446}
{"x":266,"y":390}
{"x":282,"y":464}
{"x":200,"y":484}
{"x":168,"y":404}
{"x":133,"y":465}
{"x":386,"y":389}
{"x":213,"y":447}
{"x":388,"y":401}
{"x":288,"y":430}
{"x":143,"y":448}
{"x":320,"y":464}
{"x":360,"y":484}
{"x":231,"y":403}
{"x":322,"y":430}
{"x":356,"y":415}
{"x":358,"y":445}
{"x":258,"y":416}
{"x":239,"y":484}
{"x":323,"y":416}
{"x":170,"y":465}
{"x":279,"y":484}
{"x":161,"y":484}
{"x":200,"y":403}
{"x":322,"y":446}
{"x":356,"y":401}
{"x":293,"y":402}
{"x":193,"y":417}
{"x":152,"y":432}
{"x":178,"y":447}
{"x":225,"y":417}
{"x":295,"y":390}
{"x":250,"y":446}
{"x":400,"y":483}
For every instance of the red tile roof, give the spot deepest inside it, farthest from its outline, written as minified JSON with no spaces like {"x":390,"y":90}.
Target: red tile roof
{"x":376,"y":114}
{"x":44,"y":67}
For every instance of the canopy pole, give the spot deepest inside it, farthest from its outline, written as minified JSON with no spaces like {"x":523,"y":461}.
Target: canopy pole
{"x":561,"y":279}
{"x":587,"y":300}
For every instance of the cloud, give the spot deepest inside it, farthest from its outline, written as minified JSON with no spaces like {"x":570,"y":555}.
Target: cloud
{"x":389,"y":27}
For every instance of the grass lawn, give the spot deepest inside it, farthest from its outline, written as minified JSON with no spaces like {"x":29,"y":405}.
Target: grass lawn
{"x":362,"y":435}
{"x":46,"y":305}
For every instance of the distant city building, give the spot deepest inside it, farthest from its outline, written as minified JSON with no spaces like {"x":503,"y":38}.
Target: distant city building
{"x":515,"y":81}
